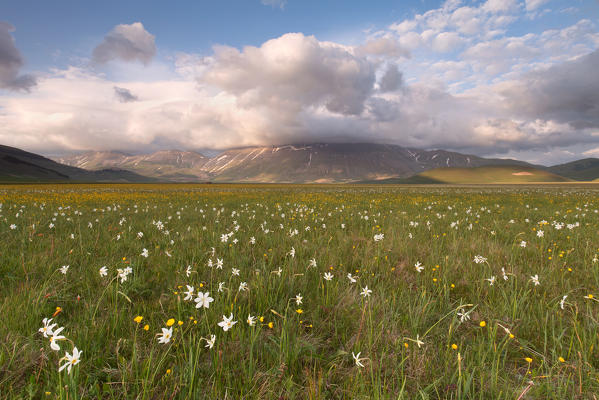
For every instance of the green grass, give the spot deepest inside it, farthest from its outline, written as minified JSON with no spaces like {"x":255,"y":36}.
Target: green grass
{"x":307,"y":354}
{"x":491,"y":174}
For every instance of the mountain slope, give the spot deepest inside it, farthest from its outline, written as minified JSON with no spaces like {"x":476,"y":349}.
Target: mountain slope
{"x":310,"y":163}
{"x":170,"y":165}
{"x":18,"y":165}
{"x":324,"y":162}
{"x":581,"y":170}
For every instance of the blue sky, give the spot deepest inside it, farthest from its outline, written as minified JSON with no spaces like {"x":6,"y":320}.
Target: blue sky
{"x":52,"y":34}
{"x":200,"y":74}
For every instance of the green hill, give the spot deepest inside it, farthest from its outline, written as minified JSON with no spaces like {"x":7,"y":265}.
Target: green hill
{"x":586,"y":169}
{"x":478,"y":175}
{"x":17,"y":165}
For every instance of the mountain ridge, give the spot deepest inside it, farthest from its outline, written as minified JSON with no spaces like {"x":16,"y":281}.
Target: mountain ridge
{"x":296,"y":163}
{"x":292,"y":163}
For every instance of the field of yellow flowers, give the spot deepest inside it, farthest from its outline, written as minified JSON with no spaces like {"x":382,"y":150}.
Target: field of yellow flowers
{"x":299,"y":292}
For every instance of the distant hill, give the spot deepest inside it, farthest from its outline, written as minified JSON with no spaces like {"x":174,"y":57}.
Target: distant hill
{"x":586,"y":169}
{"x":308,"y":163}
{"x":21,"y":166}
{"x":166,"y":165}
{"x":477,"y":175}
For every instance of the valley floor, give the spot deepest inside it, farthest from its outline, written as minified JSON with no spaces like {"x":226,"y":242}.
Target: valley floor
{"x":299,"y":291}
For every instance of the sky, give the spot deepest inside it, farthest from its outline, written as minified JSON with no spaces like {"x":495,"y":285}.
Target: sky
{"x":494,"y":78}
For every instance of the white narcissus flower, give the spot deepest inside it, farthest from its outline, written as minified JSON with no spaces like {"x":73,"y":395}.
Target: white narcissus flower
{"x":251,"y":320}
{"x":227,"y":323}
{"x":479,"y":259}
{"x":418,"y":266}
{"x":103,"y":271}
{"x":464,"y":316}
{"x":365,"y":292}
{"x":357,"y":359}
{"x":234,"y":271}
{"x":243,"y":286}
{"x":203,"y":300}
{"x":71,"y":360}
{"x":298,"y":299}
{"x":189,"y":293}
{"x":328,"y":276}
{"x":491,"y":280}
{"x":210,"y":342}
{"x":563,"y":302}
{"x":144,"y":253}
{"x":166,"y":335}
{"x":351,"y":278}
{"x":64,"y":269}
{"x":535,"y":280}
{"x":55,"y":338}
{"x":47,"y":328}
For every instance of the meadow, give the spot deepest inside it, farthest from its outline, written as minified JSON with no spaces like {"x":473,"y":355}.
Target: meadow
{"x":299,"y":292}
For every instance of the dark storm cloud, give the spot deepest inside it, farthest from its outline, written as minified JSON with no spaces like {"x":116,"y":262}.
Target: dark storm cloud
{"x":392,"y":80}
{"x":11,"y":61}
{"x":126,"y":43}
{"x":124,"y":95}
{"x":566,"y":93}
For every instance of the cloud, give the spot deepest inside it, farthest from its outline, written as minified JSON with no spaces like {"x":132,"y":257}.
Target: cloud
{"x":446,"y":42}
{"x":532,"y":5}
{"x":232,"y":105}
{"x":391,"y":80}
{"x":11,"y":62}
{"x":592,"y":153}
{"x":126,"y":43}
{"x":565,"y":93}
{"x":274,"y":3}
{"x":384,"y":46}
{"x":500,"y":6}
{"x":124,"y":95}
{"x":456,"y":77}
{"x":293,"y":72}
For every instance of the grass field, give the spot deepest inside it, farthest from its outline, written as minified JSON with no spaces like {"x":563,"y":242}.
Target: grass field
{"x":325,"y":292}
{"x":491,"y":174}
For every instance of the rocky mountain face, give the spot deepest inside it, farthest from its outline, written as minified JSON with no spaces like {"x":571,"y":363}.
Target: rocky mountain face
{"x":311,"y":163}
{"x":169,"y":165}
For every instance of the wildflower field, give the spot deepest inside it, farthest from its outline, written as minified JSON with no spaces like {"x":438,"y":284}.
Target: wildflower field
{"x":307,"y":292}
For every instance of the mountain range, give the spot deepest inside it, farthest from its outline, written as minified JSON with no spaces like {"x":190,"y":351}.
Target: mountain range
{"x":310,"y":163}
{"x":307,"y":163}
